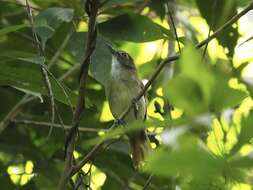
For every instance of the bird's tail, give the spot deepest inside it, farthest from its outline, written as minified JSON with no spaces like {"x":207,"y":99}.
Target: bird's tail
{"x":139,"y":147}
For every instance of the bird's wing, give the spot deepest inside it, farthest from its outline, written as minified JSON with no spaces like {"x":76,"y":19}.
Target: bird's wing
{"x":146,"y":100}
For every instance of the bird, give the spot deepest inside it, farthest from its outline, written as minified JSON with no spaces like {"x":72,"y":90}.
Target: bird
{"x":123,"y":86}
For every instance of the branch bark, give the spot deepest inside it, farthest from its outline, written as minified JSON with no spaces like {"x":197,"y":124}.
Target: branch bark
{"x":91,"y":7}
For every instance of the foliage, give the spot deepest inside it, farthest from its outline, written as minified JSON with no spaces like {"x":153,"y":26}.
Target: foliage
{"x":204,"y":143}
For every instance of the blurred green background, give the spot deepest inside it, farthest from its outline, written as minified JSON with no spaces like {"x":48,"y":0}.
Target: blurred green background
{"x":204,"y":141}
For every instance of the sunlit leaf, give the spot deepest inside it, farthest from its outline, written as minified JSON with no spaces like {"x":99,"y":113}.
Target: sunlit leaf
{"x":200,"y":88}
{"x":188,"y":158}
{"x":246,"y":133}
{"x":216,"y":13}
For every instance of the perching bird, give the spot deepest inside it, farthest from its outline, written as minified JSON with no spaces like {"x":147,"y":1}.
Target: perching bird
{"x":124,"y":85}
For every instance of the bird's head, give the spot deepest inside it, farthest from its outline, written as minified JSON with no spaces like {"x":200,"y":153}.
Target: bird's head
{"x":121,"y":59}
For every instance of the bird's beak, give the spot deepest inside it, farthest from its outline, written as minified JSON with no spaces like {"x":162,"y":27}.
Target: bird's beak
{"x":113,"y":51}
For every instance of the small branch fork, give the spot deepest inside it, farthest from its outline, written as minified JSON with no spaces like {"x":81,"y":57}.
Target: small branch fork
{"x":91,"y":155}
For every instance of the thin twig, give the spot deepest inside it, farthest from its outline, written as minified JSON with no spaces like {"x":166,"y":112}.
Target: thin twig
{"x":145,"y":187}
{"x":43,"y":70}
{"x":88,"y":157}
{"x":227,"y":24}
{"x":55,"y":125}
{"x":168,"y":60}
{"x":210,"y":28}
{"x":173,"y":25}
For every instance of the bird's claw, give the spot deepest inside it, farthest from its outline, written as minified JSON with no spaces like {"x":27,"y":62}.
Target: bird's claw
{"x":118,"y":122}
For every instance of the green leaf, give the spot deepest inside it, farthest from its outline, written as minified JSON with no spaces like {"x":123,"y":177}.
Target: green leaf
{"x":216,"y":13}
{"x":28,"y":77}
{"x":136,"y":28}
{"x":223,"y":96}
{"x":200,"y":87}
{"x":10,"y":54}
{"x":56,"y":16}
{"x":40,"y":60}
{"x":183,"y":92}
{"x":14,"y":28}
{"x":100,"y":60}
{"x":49,"y":20}
{"x":44,"y":31}
{"x":192,"y":65}
{"x":189,"y":158}
{"x":246,"y":133}
{"x":159,"y":7}
{"x":242,"y":161}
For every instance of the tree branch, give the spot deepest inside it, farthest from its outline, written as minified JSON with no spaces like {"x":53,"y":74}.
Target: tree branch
{"x":168,"y":60}
{"x":91,"y":7}
{"x":55,"y":125}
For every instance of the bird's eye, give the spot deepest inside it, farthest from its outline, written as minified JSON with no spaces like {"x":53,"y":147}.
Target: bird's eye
{"x":124,"y":54}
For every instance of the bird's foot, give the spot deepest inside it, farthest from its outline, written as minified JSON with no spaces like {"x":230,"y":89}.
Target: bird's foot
{"x":118,"y":122}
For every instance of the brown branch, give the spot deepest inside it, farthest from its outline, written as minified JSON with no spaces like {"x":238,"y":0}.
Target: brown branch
{"x":55,"y":125}
{"x":168,"y":60}
{"x":91,"y":7}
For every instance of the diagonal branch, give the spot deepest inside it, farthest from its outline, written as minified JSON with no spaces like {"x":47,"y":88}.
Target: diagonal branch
{"x":168,"y":60}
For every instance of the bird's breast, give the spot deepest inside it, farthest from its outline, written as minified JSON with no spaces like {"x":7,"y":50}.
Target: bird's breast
{"x":121,"y":94}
